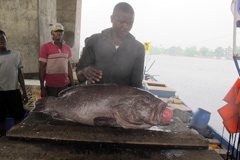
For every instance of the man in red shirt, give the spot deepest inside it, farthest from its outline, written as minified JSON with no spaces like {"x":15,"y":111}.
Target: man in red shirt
{"x":55,"y":66}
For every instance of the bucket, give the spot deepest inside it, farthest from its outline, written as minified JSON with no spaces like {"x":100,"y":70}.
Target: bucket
{"x":200,"y":119}
{"x":9,"y":122}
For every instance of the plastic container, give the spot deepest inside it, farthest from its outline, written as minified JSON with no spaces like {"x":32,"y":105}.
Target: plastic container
{"x":9,"y":122}
{"x":200,"y":119}
{"x":177,"y":101}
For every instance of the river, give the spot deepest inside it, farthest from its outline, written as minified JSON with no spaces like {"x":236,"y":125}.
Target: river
{"x":199,"y":82}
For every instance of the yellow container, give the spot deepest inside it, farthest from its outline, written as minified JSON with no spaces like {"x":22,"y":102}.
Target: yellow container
{"x":177,"y":101}
{"x":214,"y":146}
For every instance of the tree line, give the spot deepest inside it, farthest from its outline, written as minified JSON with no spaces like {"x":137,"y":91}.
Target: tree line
{"x":193,"y":51}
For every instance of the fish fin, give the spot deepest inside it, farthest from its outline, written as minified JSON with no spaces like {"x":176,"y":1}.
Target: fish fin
{"x":105,"y":121}
{"x":69,"y":89}
{"x":60,"y":94}
{"x":58,"y":116}
{"x":39,"y":105}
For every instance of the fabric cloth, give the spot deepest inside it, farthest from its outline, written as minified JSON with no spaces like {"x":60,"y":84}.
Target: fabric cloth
{"x":11,"y":104}
{"x":123,"y":65}
{"x":57,"y":63}
{"x":9,"y":64}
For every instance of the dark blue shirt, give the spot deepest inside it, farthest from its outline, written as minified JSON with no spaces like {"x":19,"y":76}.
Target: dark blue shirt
{"x":123,"y":66}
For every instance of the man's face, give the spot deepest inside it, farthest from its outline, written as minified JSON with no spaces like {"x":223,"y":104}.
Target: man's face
{"x":3,"y":41}
{"x":57,"y":35}
{"x":122,"y":23}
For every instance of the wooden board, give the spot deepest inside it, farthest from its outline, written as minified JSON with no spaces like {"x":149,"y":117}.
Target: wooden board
{"x":179,"y":106}
{"x":41,"y":126}
{"x":214,"y":141}
{"x":154,"y":83}
{"x":12,"y":149}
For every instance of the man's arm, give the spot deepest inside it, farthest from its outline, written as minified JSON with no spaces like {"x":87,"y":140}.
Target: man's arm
{"x":22,"y":83}
{"x":85,"y":60}
{"x":85,"y":68}
{"x":70,"y":74}
{"x":42,"y":73}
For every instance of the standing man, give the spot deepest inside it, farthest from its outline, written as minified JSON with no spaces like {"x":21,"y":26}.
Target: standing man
{"x":11,"y":100}
{"x":114,"y":56}
{"x":55,"y":66}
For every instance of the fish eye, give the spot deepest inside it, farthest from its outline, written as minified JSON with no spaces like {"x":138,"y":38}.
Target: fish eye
{"x":147,"y":98}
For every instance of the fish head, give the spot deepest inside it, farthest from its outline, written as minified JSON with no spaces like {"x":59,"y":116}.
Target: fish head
{"x":142,"y":110}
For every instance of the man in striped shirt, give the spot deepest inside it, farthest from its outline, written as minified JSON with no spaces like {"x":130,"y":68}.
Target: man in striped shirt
{"x":55,"y":66}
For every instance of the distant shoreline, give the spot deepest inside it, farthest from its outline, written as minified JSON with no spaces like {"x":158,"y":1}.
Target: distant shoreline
{"x":209,"y":57}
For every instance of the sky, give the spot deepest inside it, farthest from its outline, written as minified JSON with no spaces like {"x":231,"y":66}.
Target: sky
{"x":167,"y":23}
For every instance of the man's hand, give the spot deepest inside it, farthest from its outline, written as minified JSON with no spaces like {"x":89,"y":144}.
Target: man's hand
{"x":92,"y":74}
{"x":25,"y":98}
{"x":43,"y":92}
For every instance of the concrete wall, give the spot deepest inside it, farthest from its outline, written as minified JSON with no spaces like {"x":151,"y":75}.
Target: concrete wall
{"x":66,"y":15}
{"x":69,"y":15}
{"x":27,"y":25}
{"x":19,"y":20}
{"x":47,"y":15}
{"x":76,"y":46}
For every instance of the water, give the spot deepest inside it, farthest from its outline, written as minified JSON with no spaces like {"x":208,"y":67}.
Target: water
{"x":199,"y":82}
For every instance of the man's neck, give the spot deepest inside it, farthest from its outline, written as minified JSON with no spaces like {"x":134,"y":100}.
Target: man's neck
{"x":58,"y":43}
{"x":116,"y":39}
{"x":3,"y":50}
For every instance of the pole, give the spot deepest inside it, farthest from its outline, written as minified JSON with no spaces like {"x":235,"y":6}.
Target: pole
{"x":235,"y":27}
{"x":235,"y":10}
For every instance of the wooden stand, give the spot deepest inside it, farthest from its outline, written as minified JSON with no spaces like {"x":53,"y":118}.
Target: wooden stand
{"x":41,"y":137}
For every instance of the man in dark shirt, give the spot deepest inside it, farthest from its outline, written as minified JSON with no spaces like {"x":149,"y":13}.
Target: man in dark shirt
{"x":114,"y":56}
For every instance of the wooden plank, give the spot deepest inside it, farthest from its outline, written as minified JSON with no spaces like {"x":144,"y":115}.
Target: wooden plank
{"x":161,"y":88}
{"x":32,"y":82}
{"x":214,"y":141}
{"x":41,"y":126}
{"x":221,"y":151}
{"x":29,"y":149}
{"x":179,"y":106}
{"x":154,"y":83}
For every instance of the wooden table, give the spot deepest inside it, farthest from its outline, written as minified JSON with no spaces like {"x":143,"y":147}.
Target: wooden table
{"x":41,"y":137}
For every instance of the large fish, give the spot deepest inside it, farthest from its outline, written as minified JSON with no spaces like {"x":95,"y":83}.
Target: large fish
{"x":107,"y":105}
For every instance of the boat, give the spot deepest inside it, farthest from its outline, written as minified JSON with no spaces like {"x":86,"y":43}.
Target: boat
{"x":186,"y":115}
